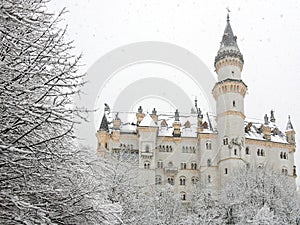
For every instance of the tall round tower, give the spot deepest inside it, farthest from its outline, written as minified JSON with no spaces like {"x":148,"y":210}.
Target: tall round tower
{"x":229,"y":93}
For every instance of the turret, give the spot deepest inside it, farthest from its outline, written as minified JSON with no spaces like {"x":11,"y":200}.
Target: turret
{"x":290,"y":132}
{"x":177,"y":125}
{"x":140,"y":115}
{"x":229,"y":60}
{"x":229,"y":93}
{"x":154,"y":115}
{"x":116,"y":128}
{"x":266,"y":129}
{"x":103,"y":137}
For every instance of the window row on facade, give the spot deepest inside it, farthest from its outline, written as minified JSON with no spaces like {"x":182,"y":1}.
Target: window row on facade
{"x":165,"y":148}
{"x":183,"y":165}
{"x":126,"y":146}
{"x":171,"y":180}
{"x":188,"y":149}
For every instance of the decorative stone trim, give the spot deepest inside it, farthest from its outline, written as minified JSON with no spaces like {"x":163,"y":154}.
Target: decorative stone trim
{"x":232,"y":113}
{"x":270,"y":144}
{"x":229,"y":86}
{"x":232,"y":60}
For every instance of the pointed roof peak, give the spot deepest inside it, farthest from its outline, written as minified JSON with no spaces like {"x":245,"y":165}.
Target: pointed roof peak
{"x":229,"y":39}
{"x":289,"y":125}
{"x":228,"y":46}
{"x":148,"y":122}
{"x":104,"y":124}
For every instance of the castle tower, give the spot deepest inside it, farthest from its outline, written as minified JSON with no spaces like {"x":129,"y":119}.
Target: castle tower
{"x":290,"y":132}
{"x":229,"y":93}
{"x":103,"y":137}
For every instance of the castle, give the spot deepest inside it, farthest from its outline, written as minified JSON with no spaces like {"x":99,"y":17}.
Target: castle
{"x":183,"y":149}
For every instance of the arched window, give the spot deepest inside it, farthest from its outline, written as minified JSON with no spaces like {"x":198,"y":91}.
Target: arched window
{"x":258,"y":152}
{"x":284,"y":171}
{"x":167,"y":148}
{"x":182,"y":180}
{"x":233,"y":103}
{"x":225,"y":141}
{"x":281,"y":155}
{"x":194,"y":149}
{"x":208,"y":145}
{"x":170,"y":164}
{"x":183,"y":196}
{"x":170,"y":180}
{"x":183,"y":149}
{"x":183,"y":166}
{"x":160,"y":164}
{"x":235,"y":152}
{"x":106,"y":145}
{"x":146,"y":165}
{"x":147,"y":148}
{"x":170,"y":148}
{"x":193,"y":165}
{"x":209,"y":162}
{"x":157,"y":179}
{"x":194,"y":180}
{"x":262,"y":153}
{"x":209,"y":179}
{"x":247,"y":151}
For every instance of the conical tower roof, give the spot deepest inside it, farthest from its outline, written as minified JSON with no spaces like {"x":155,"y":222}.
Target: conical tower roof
{"x":289,"y":125}
{"x":104,"y":124}
{"x":229,"y":47}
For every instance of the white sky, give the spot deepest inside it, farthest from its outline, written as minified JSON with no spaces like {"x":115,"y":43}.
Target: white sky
{"x":268,"y":34}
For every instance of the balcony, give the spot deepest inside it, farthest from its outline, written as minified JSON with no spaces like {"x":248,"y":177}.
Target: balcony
{"x":146,"y":155}
{"x":171,"y":171}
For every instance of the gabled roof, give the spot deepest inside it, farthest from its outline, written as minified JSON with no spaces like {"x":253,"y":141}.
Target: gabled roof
{"x":147,"y":122}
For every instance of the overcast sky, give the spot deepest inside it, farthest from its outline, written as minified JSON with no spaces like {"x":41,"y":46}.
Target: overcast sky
{"x":268,"y":36}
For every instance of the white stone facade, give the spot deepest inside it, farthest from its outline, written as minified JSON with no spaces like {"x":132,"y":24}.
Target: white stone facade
{"x":182,"y":149}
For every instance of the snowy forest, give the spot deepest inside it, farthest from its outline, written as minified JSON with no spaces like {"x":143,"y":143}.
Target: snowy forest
{"x":47,"y":178}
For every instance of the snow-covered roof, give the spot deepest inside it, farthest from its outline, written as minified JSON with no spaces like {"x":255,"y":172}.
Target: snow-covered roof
{"x":253,"y":131}
{"x":147,"y":122}
{"x":189,"y":127}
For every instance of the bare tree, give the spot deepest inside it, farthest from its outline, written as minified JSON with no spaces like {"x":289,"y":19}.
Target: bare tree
{"x":41,"y":181}
{"x":254,"y":195}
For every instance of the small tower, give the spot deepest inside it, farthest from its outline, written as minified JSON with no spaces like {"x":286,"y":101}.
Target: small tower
{"x":266,"y":129}
{"x":140,"y":115}
{"x":199,"y":121}
{"x":116,"y":128}
{"x":290,"y":132}
{"x":229,"y":93}
{"x":103,"y":137}
{"x":176,"y":125}
{"x":154,"y":115}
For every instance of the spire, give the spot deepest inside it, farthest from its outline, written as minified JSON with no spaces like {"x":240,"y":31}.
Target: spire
{"x":272,"y":117}
{"x":289,"y":125}
{"x":177,"y":115}
{"x":229,"y":47}
{"x":104,"y":124}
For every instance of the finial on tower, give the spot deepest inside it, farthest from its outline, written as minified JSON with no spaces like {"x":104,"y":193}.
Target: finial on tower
{"x":228,"y":11}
